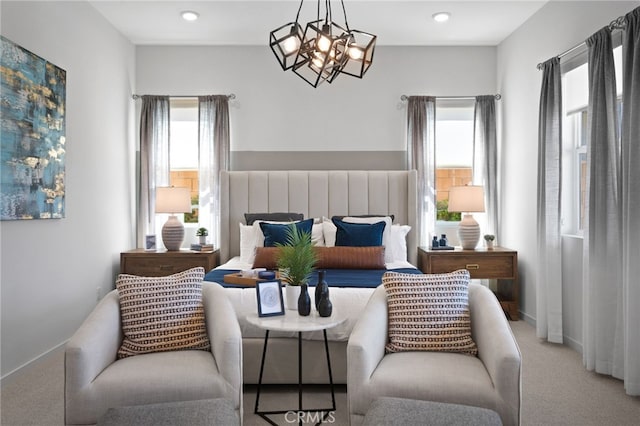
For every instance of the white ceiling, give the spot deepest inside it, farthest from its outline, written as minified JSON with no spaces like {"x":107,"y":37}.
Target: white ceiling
{"x":239,"y":22}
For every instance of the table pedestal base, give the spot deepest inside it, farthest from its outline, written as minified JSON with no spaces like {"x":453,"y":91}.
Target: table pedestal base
{"x":300,"y":412}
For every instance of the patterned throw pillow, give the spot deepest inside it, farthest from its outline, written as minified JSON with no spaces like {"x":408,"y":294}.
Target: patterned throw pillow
{"x":429,"y":312}
{"x":162,"y":313}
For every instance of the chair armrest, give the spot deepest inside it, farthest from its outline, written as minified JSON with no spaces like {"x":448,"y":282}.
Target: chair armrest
{"x":224,"y":333}
{"x":94,"y":346}
{"x":365,"y":348}
{"x":497,"y":347}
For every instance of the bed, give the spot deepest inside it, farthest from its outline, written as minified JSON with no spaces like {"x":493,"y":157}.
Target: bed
{"x":320,"y":195}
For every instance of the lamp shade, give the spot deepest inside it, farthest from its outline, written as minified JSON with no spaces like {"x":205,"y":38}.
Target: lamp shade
{"x":468,"y":198}
{"x":173,"y":200}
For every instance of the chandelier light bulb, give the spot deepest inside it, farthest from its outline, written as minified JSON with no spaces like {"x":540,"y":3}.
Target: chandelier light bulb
{"x":324,"y":43}
{"x":291,"y":44}
{"x":316,"y":63}
{"x":355,"y":52}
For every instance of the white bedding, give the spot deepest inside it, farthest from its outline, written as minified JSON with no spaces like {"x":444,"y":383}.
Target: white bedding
{"x":346,"y":301}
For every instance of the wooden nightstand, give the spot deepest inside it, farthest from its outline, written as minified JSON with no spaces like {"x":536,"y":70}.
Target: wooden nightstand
{"x":499,"y":263}
{"x":160,"y":263}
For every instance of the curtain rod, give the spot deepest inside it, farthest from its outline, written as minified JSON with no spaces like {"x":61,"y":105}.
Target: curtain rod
{"x":616,"y":24}
{"x":498,"y":96}
{"x":230,"y":96}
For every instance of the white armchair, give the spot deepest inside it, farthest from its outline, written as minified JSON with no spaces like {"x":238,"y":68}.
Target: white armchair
{"x":95,"y":380}
{"x":491,"y":380}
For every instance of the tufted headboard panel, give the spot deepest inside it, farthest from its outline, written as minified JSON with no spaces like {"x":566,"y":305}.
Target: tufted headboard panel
{"x":316,"y":194}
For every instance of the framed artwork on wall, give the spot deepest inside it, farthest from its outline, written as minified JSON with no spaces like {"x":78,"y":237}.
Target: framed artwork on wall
{"x":32,"y":157}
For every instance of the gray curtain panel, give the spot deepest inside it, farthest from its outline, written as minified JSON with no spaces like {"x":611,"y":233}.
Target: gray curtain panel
{"x":214,"y":147}
{"x":154,"y":160}
{"x":631,"y":200}
{"x":485,"y":157}
{"x":602,"y":297}
{"x":421,"y":125}
{"x":549,"y":270}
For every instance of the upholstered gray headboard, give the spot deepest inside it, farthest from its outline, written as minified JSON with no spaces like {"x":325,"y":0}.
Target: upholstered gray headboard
{"x":316,"y":194}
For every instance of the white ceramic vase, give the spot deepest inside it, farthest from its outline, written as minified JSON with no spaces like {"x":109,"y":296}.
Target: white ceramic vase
{"x":292,"y":293}
{"x":468,"y":232}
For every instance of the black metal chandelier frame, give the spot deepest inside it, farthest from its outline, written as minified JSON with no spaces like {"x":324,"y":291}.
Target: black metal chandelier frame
{"x":325,"y":49}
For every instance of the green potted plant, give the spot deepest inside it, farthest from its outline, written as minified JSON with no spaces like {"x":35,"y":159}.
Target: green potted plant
{"x":202,"y":233}
{"x":488,"y":239}
{"x":295,"y":260}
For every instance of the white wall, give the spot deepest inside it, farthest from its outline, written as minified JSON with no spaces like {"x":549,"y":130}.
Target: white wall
{"x":52,"y":268}
{"x":555,"y":28}
{"x":278,"y":111}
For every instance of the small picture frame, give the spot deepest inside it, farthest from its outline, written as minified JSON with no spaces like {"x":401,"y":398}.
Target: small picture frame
{"x":150,"y":243}
{"x":270,"y":301}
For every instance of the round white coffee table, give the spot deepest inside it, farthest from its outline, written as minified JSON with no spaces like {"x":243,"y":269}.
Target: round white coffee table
{"x":292,"y":321}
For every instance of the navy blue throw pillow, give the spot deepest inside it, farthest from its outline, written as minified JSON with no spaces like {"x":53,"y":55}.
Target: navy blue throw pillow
{"x":358,"y":234}
{"x":276,"y":233}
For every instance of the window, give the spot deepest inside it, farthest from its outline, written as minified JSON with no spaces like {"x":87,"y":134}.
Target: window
{"x":183,"y":150}
{"x":454,"y":158}
{"x":454,"y":151}
{"x":183,"y":155}
{"x":575,"y":85}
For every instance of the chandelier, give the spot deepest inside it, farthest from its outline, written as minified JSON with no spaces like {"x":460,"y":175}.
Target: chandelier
{"x":325,"y":49}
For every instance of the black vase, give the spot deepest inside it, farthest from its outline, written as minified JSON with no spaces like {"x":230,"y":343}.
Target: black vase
{"x":304,"y":301}
{"x":321,"y":288}
{"x":325,"y":307}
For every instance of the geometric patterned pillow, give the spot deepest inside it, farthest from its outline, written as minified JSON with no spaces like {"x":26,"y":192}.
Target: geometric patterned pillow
{"x":162,"y":313}
{"x":429,"y":312}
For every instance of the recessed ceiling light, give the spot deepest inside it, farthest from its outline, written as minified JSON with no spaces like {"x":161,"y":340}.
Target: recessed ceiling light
{"x":441,"y":16}
{"x":189,"y":15}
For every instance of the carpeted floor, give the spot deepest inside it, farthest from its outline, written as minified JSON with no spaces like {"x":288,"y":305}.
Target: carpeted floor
{"x":556,"y":391}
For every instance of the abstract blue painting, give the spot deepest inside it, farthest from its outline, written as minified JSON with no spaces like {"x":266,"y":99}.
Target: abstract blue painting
{"x":32,"y":133}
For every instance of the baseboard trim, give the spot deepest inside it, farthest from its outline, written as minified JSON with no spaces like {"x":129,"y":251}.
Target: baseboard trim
{"x":566,"y":340}
{"x":573,"y":344}
{"x":15,"y":373}
{"x":528,"y":318}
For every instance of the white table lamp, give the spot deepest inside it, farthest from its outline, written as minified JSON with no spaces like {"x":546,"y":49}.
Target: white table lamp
{"x":173,"y":200}
{"x":467,"y":199}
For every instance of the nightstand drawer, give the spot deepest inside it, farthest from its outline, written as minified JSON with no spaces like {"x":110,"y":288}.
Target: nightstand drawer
{"x":500,"y":264}
{"x":478,"y":266}
{"x":157,"y":264}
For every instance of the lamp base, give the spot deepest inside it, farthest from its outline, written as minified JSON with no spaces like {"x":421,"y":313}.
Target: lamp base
{"x":173,"y":233}
{"x":469,"y":232}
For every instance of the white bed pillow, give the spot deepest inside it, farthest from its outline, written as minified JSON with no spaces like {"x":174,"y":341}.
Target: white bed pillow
{"x":386,"y":234}
{"x":398,"y":242}
{"x":247,"y":242}
{"x":329,"y":231}
{"x":317,"y":234}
